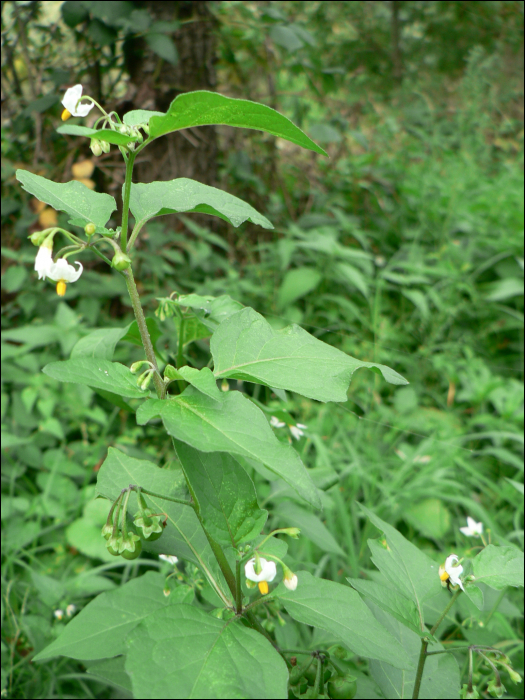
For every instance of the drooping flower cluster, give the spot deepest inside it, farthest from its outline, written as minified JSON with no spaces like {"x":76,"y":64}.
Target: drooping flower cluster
{"x":261,"y":571}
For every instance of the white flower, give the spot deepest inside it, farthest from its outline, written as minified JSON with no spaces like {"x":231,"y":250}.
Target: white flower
{"x":276,"y":423}
{"x":267,"y":573}
{"x":70,"y":610}
{"x":473,"y":528}
{"x":59,"y":614}
{"x":72,"y":105}
{"x":170,"y":558}
{"x":290,"y":580}
{"x":43,"y":260}
{"x":451,"y":571}
{"x":297,"y":430}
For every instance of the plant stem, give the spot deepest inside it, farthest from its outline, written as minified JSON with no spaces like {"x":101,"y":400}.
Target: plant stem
{"x":166,"y":498}
{"x":238,"y":596}
{"x":424,"y":646}
{"x":144,"y":333}
{"x":125,"y":203}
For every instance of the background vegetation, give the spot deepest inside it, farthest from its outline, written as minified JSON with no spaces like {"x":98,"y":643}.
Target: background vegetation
{"x":404,"y":248}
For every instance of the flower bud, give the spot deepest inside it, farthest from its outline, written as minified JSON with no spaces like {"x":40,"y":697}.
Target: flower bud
{"x":135,"y":367}
{"x":105,"y":146}
{"x":39,"y":237}
{"x":145,"y":129}
{"x":292,"y":532}
{"x":144,"y":380}
{"x":131,"y":145}
{"x":89,"y":229}
{"x":120,"y":261}
{"x":96,"y":147}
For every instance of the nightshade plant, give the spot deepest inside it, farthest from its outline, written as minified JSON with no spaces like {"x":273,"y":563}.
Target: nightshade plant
{"x":155,"y":637}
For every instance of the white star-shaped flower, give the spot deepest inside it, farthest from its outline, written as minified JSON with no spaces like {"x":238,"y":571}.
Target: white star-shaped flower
{"x":473,"y":528}
{"x":72,"y":105}
{"x":267,"y":573}
{"x":451,"y":570}
{"x":170,"y":558}
{"x":60,"y":271}
{"x":297,"y":430}
{"x":276,"y":423}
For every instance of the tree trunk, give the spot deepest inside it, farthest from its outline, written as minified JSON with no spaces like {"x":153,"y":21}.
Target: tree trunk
{"x":154,"y":83}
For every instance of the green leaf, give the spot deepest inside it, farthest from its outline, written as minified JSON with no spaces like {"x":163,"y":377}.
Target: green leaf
{"x":203,"y":107}
{"x":99,"y":629}
{"x":340,"y":611}
{"x":74,"y":198}
{"x":224,"y":494}
{"x":235,"y":425}
{"x":133,"y":334}
{"x":408,"y":569}
{"x":311,"y":526}
{"x":499,"y":567}
{"x":203,"y":379}
{"x":211,"y":311}
{"x":183,"y":535}
{"x":114,"y":137}
{"x":99,"y":343}
{"x":185,"y":653}
{"x":163,"y":46}
{"x":112,"y":671}
{"x":296,"y":284}
{"x":430,"y":516}
{"x":392,"y":601}
{"x":185,"y":195}
{"x":440,"y":675}
{"x":140,"y":116}
{"x":97,"y":373}
{"x":245,"y":346}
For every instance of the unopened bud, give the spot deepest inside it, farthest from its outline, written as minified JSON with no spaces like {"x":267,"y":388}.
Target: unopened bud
{"x":136,"y":366}
{"x":39,"y":237}
{"x":144,"y":380}
{"x":105,"y":146}
{"x":292,"y":532}
{"x":120,"y":261}
{"x":96,"y":147}
{"x":145,"y":128}
{"x":89,"y":229}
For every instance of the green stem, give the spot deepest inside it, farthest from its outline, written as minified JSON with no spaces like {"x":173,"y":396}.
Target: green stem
{"x":161,"y":495}
{"x":238,"y":596}
{"x":257,"y":625}
{"x":125,"y":204}
{"x":136,"y":230}
{"x":143,"y":330}
{"x":424,"y":646}
{"x":180,"y":350}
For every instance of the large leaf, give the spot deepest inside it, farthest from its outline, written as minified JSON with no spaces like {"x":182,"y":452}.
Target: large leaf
{"x":185,"y":195}
{"x":245,"y":346}
{"x":211,"y":311}
{"x":224,"y":494}
{"x":99,"y":629}
{"x":340,"y":611}
{"x":185,"y":653}
{"x":499,"y":567}
{"x":203,"y":107}
{"x":114,"y":137}
{"x":99,"y":343}
{"x":82,"y":204}
{"x":235,"y":425}
{"x":183,"y":535}
{"x":440,"y":675}
{"x":97,"y":373}
{"x":406,"y":567}
{"x":392,"y":601}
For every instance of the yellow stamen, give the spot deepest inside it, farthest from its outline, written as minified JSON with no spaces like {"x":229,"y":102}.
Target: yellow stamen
{"x":66,"y":114}
{"x":61,"y":288}
{"x":263,"y":587}
{"x":443,"y":575}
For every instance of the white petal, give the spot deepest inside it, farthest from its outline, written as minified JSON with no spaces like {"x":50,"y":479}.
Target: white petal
{"x":70,"y":100}
{"x":291,"y":583}
{"x":43,"y":262}
{"x":170,"y":558}
{"x":296,"y":431}
{"x":268,"y":571}
{"x":276,"y":423}
{"x":454,"y":571}
{"x":62,"y":270}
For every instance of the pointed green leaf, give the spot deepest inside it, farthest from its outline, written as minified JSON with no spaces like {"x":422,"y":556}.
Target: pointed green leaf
{"x":440,"y":674}
{"x":224,"y":494}
{"x":112,"y":671}
{"x":499,"y":567}
{"x":114,"y":137}
{"x":245,"y":346}
{"x":390,"y":600}
{"x":235,"y":425}
{"x":140,"y":116}
{"x":202,"y":379}
{"x":183,"y":535}
{"x":407,"y":568}
{"x":185,"y":195}
{"x":185,"y":653}
{"x":203,"y":107}
{"x":99,"y":629}
{"x":74,"y":198}
{"x":340,"y":611}
{"x":311,"y":526}
{"x":99,"y":343}
{"x":97,"y":373}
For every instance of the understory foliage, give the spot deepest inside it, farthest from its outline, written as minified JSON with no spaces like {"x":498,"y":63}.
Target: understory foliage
{"x":197,"y":481}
